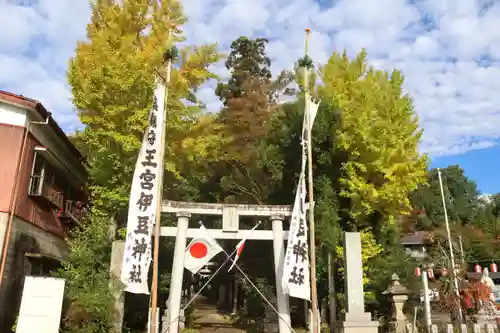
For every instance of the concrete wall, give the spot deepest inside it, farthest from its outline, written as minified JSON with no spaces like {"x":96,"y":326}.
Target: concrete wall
{"x":25,"y":238}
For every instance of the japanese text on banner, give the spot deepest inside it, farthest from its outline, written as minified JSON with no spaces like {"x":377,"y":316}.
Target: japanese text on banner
{"x":144,"y":200}
{"x":296,"y":273}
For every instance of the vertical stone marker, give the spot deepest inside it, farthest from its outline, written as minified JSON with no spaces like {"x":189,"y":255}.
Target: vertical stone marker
{"x":117,"y":251}
{"x":356,"y":319}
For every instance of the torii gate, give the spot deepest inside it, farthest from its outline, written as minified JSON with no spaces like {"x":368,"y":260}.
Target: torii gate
{"x":230,"y":230}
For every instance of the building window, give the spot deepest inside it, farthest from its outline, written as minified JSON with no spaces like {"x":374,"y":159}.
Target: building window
{"x":42,"y":183}
{"x":48,"y":184}
{"x":37,"y":175}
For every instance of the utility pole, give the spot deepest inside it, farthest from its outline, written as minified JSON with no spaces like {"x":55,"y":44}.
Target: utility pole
{"x":450,"y":244}
{"x":427,"y":304}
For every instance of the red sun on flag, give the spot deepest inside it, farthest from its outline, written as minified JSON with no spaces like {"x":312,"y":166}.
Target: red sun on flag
{"x":198,"y":250}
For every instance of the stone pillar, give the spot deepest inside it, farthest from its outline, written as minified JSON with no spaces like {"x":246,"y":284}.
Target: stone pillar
{"x":399,"y":295}
{"x":221,"y":295}
{"x":279,"y":261}
{"x":174,"y":300}
{"x":117,"y":251}
{"x":324,"y":310}
{"x":356,"y":320}
{"x":235,"y":296}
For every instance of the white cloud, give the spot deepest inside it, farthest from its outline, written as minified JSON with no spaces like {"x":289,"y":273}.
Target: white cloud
{"x":37,"y":38}
{"x":486,"y":197}
{"x":449,"y":52}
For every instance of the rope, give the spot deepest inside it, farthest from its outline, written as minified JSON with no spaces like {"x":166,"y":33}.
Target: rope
{"x":164,"y":330}
{"x":251,"y":283}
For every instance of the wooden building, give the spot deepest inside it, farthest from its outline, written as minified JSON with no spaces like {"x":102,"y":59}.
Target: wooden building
{"x":42,"y":196}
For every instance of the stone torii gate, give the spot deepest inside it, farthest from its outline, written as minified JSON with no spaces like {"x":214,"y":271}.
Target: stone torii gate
{"x":230,"y":230}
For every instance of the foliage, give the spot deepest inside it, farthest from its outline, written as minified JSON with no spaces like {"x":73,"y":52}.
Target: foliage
{"x":392,"y":166}
{"x":368,"y":173}
{"x":86,"y":270}
{"x":112,"y":76}
{"x":495,"y":204}
{"x":461,"y":195}
{"x":469,"y":216}
{"x":369,"y":250}
{"x":378,"y":135}
{"x":250,"y":100}
{"x":112,"y":80}
{"x":306,"y":62}
{"x":247,"y":60}
{"x":14,"y":327}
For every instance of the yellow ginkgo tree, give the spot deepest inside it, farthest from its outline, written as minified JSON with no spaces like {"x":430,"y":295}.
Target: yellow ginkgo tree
{"x":377,"y":134}
{"x":112,"y":77}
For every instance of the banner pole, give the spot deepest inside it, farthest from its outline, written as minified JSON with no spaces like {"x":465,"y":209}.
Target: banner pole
{"x":157,"y":229}
{"x":312,"y":240}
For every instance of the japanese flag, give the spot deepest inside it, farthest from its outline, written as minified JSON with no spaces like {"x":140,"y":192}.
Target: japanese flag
{"x":199,"y":252}
{"x":240,"y":246}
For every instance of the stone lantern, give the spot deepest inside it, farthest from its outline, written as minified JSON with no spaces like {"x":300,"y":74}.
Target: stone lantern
{"x":399,"y":295}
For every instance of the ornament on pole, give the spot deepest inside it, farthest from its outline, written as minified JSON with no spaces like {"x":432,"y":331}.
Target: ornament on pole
{"x":477,"y":268}
{"x":172,"y":54}
{"x":493,"y":267}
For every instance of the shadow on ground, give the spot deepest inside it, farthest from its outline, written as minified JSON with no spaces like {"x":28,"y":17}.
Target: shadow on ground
{"x":208,"y":319}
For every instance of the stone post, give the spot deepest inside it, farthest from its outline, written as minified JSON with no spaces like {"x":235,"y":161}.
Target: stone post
{"x":279,"y":261}
{"x":398,"y":295}
{"x":356,"y":320}
{"x":221,"y":295}
{"x":234,"y":304}
{"x":117,"y":251}
{"x":174,"y":299}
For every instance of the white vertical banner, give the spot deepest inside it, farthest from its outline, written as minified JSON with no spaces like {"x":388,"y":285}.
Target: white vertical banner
{"x":144,"y":200}
{"x":296,"y":275}
{"x":296,"y":272}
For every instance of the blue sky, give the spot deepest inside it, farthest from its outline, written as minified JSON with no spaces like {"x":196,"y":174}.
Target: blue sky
{"x":480,"y":165}
{"x":449,"y":51}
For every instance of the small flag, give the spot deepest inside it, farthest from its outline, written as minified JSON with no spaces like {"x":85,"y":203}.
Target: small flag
{"x":199,"y":253}
{"x":241,"y":245}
